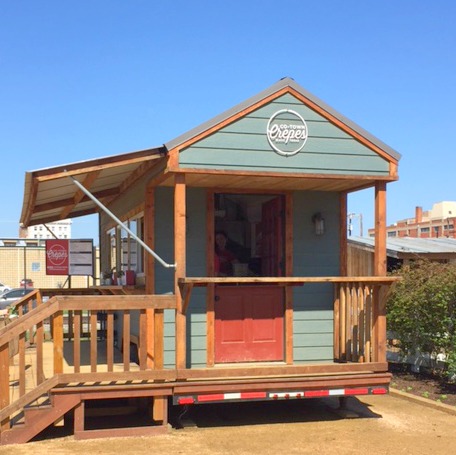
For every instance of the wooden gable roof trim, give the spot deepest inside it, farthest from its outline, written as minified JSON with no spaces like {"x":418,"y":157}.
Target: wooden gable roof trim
{"x":285,"y":85}
{"x":174,"y":150}
{"x":353,"y":130}
{"x":83,"y":167}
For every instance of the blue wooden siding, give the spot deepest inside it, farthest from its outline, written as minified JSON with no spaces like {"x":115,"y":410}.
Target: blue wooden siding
{"x":243,"y":145}
{"x":314,"y":256}
{"x":196,"y":266}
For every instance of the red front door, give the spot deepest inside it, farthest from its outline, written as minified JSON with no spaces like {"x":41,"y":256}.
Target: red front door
{"x":249,"y":319}
{"x":248,"y":324}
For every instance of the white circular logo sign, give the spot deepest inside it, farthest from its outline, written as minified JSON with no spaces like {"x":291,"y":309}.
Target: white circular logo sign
{"x":287,"y":132}
{"x":57,"y":254}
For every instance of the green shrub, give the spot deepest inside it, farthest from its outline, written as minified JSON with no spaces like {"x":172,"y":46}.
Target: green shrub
{"x":421,"y":310}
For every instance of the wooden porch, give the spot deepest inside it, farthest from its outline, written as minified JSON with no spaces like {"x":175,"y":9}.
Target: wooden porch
{"x":58,"y":355}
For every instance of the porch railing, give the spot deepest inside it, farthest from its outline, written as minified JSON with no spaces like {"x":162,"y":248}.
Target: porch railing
{"x":359,"y":311}
{"x":38,"y":321}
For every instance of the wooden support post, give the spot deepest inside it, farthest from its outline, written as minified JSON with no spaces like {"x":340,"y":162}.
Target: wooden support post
{"x":288,"y":272}
{"x":79,"y":417}
{"x":210,"y":296}
{"x":379,"y":308}
{"x":340,"y":290}
{"x":149,"y":268}
{"x":180,"y":260}
{"x":343,"y":245}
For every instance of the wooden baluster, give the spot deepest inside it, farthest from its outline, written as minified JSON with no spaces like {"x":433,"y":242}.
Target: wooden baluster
{"x":126,"y":340}
{"x":343,"y":321}
{"x":4,"y":383}
{"x":76,"y":320}
{"x":142,"y":351}
{"x":362,"y":322}
{"x":349,"y":319}
{"x":336,"y":325}
{"x":39,"y":344}
{"x":355,"y":328}
{"x":93,"y":341}
{"x":21,"y":352}
{"x":110,"y":340}
{"x":368,"y":310}
{"x":57,"y":330}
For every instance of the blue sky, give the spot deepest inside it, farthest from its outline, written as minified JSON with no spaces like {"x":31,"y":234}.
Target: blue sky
{"x":87,"y":79}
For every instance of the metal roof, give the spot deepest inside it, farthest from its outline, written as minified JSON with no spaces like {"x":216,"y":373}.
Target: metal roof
{"x":409,"y":246}
{"x":51,"y":195}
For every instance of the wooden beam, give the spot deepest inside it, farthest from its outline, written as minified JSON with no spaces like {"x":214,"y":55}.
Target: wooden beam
{"x":79,"y":194}
{"x":285,"y":281}
{"x":261,"y":372}
{"x":180,"y":260}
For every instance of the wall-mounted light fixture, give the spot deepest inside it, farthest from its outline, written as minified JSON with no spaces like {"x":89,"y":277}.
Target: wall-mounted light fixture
{"x":319,"y":223}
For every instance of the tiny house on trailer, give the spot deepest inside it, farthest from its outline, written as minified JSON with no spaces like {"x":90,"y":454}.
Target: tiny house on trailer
{"x":233,"y":240}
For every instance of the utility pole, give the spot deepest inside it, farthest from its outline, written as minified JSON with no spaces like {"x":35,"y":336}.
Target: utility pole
{"x":350,"y":217}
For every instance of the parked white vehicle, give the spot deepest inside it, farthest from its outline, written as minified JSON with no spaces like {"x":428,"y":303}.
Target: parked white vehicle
{"x":4,"y":288}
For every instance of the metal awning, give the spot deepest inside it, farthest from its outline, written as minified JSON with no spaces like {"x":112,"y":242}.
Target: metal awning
{"x":51,"y":195}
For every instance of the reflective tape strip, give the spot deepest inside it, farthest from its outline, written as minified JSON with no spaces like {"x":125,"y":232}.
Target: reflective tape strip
{"x":231,"y":396}
{"x":316,"y":393}
{"x":359,"y":391}
{"x":380,"y":391}
{"x":336,"y":392}
{"x":282,"y":395}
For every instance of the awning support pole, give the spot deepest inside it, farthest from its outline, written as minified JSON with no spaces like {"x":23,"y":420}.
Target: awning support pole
{"x":112,"y":216}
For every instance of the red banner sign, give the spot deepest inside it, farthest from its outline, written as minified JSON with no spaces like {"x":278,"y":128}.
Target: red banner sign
{"x":57,"y":257}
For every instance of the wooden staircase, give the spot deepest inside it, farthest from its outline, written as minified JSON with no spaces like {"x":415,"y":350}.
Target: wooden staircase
{"x":61,"y":362}
{"x":38,"y":418}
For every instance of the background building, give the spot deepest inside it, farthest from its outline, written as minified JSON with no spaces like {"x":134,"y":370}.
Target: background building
{"x":438,"y":222}
{"x":59,"y":229}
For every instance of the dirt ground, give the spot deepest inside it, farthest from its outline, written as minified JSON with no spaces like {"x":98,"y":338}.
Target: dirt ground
{"x":425,"y":385}
{"x":382,"y":425}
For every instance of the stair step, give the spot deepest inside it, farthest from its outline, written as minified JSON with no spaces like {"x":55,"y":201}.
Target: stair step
{"x":39,"y":418}
{"x":31,"y":413}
